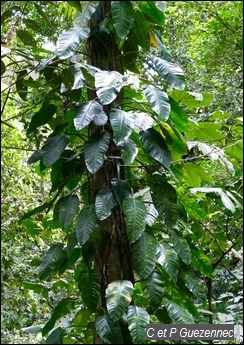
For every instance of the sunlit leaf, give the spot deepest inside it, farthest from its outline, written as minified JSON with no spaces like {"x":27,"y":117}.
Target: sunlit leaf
{"x":168,"y":259}
{"x":69,"y":41}
{"x":158,"y":100}
{"x":108,"y":85}
{"x":118,"y":297}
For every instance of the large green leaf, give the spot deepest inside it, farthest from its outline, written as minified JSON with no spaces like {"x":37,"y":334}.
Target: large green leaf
{"x":195,"y":284}
{"x":86,"y":112}
{"x":108,"y":330}
{"x":129,"y":151}
{"x":158,"y":100}
{"x":108,"y":84}
{"x":170,"y":72}
{"x":153,"y":287}
{"x":202,"y":262}
{"x":41,"y":117}
{"x":156,"y":146}
{"x":144,"y":255}
{"x":122,"y":16}
{"x":118,"y":297}
{"x":178,"y":314}
{"x":181,"y":246}
{"x":53,"y":148}
{"x":86,"y":224}
{"x":50,"y":260}
{"x":69,"y":41}
{"x":95,"y":149}
{"x":90,"y":288}
{"x":152,"y":12}
{"x":122,"y":124}
{"x":61,"y":309}
{"x":143,"y":121}
{"x":164,"y":197}
{"x":56,"y":336}
{"x":137,"y":318}
{"x":168,"y":259}
{"x":67,"y":209}
{"x":121,"y":190}
{"x":104,"y":203}
{"x":135,"y":218}
{"x":140,"y":30}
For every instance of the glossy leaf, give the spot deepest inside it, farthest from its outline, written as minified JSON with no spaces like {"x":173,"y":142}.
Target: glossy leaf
{"x":153,"y":287}
{"x":122,"y":16}
{"x":122,"y":124}
{"x":36,"y":156}
{"x":142,"y":121}
{"x":164,"y":197}
{"x":129,"y":151}
{"x":50,"y":260}
{"x":156,"y":146}
{"x":118,"y":297}
{"x":181,"y":246}
{"x":137,"y":318}
{"x":108,"y":330}
{"x":144,"y":255}
{"x":56,"y":336}
{"x":86,"y":112}
{"x":95,"y":150}
{"x":168,"y":259}
{"x":68,"y":209}
{"x":42,"y":117}
{"x":108,"y":85}
{"x":104,"y":203}
{"x":178,"y":314}
{"x":53,"y":148}
{"x":89,"y":287}
{"x":150,"y":9}
{"x":195,"y":284}
{"x":158,"y":100}
{"x":135,"y":218}
{"x":69,"y":41}
{"x":170,"y":72}
{"x":86,"y":224}
{"x":121,"y":190}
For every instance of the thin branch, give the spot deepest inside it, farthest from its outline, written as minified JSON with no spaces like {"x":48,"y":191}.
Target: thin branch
{"x":16,"y":148}
{"x":27,"y":110}
{"x":215,"y":264}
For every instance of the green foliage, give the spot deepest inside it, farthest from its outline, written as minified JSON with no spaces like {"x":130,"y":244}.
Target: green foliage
{"x":130,"y":161}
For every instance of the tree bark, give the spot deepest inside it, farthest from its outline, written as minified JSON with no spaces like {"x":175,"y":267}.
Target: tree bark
{"x":113,"y":258}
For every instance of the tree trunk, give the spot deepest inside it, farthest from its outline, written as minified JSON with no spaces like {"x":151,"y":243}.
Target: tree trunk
{"x":113,"y":258}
